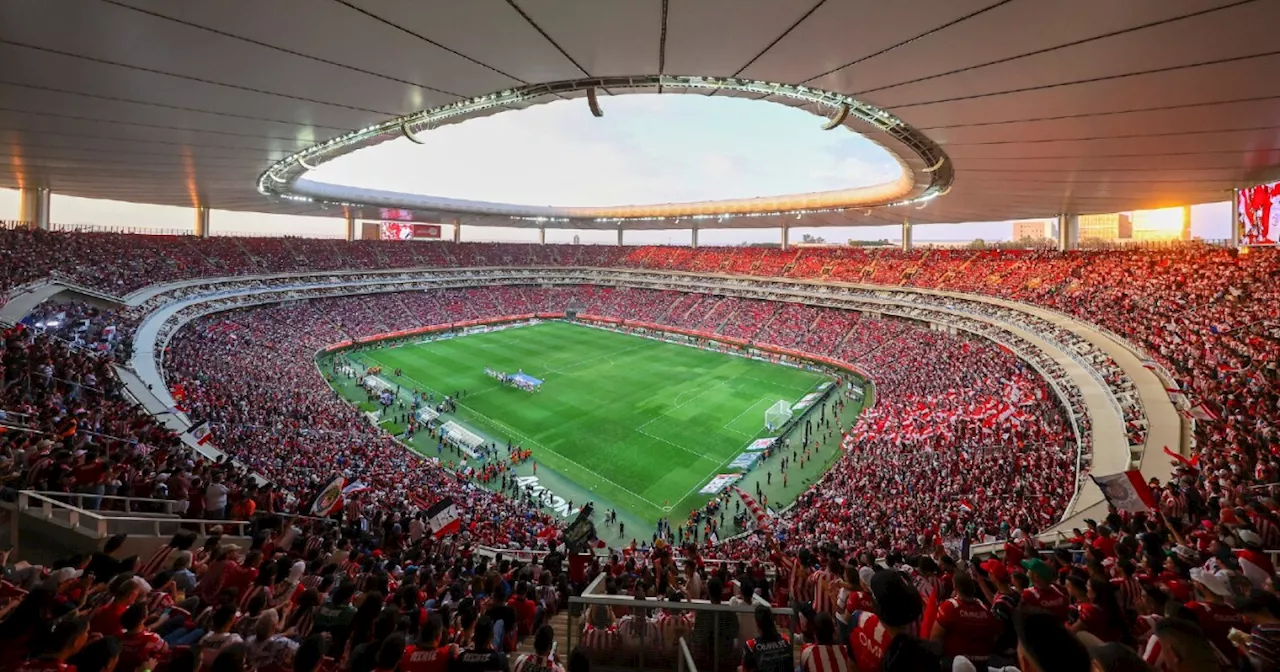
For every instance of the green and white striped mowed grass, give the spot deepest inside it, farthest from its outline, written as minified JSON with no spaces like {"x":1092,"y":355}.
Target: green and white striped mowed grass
{"x":640,"y":424}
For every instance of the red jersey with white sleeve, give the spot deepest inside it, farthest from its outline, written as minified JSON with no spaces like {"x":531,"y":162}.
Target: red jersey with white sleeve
{"x":825,"y":658}
{"x":1050,"y":599}
{"x":971,"y":628}
{"x":1216,"y":620}
{"x":532,"y":662}
{"x":138,"y":647}
{"x":868,"y":641}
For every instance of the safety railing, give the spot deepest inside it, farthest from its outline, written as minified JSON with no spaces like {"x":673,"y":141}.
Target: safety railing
{"x":97,"y":525}
{"x":621,"y":631}
{"x":109,"y":505}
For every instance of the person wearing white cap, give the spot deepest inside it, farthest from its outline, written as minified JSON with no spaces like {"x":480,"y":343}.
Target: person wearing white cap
{"x":1254,"y":564}
{"x":1215,"y":616}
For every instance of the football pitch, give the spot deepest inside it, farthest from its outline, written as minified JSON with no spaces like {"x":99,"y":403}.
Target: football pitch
{"x":638,"y":424}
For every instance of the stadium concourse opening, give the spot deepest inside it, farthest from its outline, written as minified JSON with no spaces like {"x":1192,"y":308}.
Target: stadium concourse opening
{"x":647,"y":424}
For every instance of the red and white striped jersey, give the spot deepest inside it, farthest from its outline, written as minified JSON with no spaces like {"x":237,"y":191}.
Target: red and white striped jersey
{"x":532,"y":662}
{"x":671,"y":627}
{"x":158,"y":560}
{"x":820,"y":585}
{"x":825,"y":658}
{"x":599,"y":639}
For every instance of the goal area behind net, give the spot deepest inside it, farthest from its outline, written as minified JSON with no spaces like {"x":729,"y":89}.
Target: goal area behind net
{"x":777,"y":415}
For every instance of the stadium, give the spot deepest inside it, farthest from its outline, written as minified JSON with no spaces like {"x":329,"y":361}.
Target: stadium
{"x":403,"y":359}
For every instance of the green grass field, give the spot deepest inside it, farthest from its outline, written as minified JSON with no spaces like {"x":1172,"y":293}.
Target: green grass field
{"x":640,"y":424}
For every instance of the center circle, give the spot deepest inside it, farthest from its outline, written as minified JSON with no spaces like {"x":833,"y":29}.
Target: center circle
{"x":647,"y":149}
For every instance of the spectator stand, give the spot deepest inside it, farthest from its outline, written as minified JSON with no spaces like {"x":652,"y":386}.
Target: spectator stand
{"x":259,"y":295}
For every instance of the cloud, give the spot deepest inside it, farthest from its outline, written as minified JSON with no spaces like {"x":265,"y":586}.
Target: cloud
{"x":646,"y":149}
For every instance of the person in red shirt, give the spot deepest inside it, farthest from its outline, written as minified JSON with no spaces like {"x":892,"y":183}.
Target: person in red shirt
{"x":1099,"y":610}
{"x":428,"y":655}
{"x":138,"y":645}
{"x":898,"y":605}
{"x":1043,"y":594}
{"x":1215,"y":616}
{"x":67,"y":638}
{"x":964,"y":625}
{"x":1105,"y":543}
{"x":106,"y":620}
{"x":90,"y":477}
{"x":526,"y":608}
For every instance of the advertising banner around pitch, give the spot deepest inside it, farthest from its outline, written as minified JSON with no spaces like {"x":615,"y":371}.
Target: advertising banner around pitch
{"x":744,"y":461}
{"x":719,"y":483}
{"x":1126,"y":491}
{"x":761,"y":444}
{"x":443,"y":517}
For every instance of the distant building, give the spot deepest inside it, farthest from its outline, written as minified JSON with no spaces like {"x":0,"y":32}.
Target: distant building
{"x":1105,"y":228}
{"x":1035,"y":229}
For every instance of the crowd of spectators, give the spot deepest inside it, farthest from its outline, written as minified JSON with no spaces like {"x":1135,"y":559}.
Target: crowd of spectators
{"x":1167,"y":586}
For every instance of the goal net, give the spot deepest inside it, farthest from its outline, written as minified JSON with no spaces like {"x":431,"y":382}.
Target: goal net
{"x":777,"y":415}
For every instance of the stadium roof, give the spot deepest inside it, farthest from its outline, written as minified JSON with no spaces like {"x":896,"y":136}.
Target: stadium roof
{"x":1041,"y":107}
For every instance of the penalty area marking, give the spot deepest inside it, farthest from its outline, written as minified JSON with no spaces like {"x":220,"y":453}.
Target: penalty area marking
{"x":504,"y":426}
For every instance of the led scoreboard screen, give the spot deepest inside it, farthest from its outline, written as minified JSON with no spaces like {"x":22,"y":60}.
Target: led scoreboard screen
{"x":1258,"y":214}
{"x":408,"y":231}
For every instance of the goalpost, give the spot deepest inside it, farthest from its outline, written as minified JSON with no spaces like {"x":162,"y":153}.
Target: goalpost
{"x":777,"y":415}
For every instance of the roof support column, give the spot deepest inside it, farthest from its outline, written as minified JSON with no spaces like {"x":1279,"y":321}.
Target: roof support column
{"x":351,"y":226}
{"x":695,"y":235}
{"x":542,"y":235}
{"x":1186,"y":222}
{"x":202,"y":221}
{"x":906,"y":235}
{"x":457,"y":230}
{"x":619,"y":235}
{"x":34,"y":207}
{"x":786,"y":234}
{"x":1068,"y":232}
{"x":1235,"y":218}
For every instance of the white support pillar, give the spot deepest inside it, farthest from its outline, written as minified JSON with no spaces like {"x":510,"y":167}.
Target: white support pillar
{"x":786,"y":235}
{"x":619,"y":236}
{"x":906,"y":235}
{"x":1235,"y":218}
{"x":34,"y":207}
{"x":1186,"y":222}
{"x":695,"y":236}
{"x":457,"y":230}
{"x":542,"y":235}
{"x":351,"y":226}
{"x":1068,"y":232}
{"x":202,"y":221}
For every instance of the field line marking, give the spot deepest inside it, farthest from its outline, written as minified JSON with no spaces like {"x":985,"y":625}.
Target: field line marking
{"x":735,"y":418}
{"x":713,"y":472}
{"x":684,"y":403}
{"x":535,"y":442}
{"x":672,"y":444}
{"x":607,"y":355}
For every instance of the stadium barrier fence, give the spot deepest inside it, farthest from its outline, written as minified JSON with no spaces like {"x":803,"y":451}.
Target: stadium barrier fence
{"x":619,"y":632}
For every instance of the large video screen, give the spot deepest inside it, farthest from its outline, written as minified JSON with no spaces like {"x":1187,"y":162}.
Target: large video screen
{"x":1258,"y":214}
{"x":407,"y":231}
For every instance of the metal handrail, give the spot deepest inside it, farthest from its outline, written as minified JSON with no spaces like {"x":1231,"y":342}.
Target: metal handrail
{"x":685,"y":663}
{"x":167,"y":504}
{"x":100,"y":525}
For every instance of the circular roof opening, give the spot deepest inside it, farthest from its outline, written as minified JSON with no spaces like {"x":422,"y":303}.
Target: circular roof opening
{"x":647,"y":149}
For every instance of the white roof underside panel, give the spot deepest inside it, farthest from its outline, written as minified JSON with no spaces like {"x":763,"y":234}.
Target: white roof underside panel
{"x":1044,"y":107}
